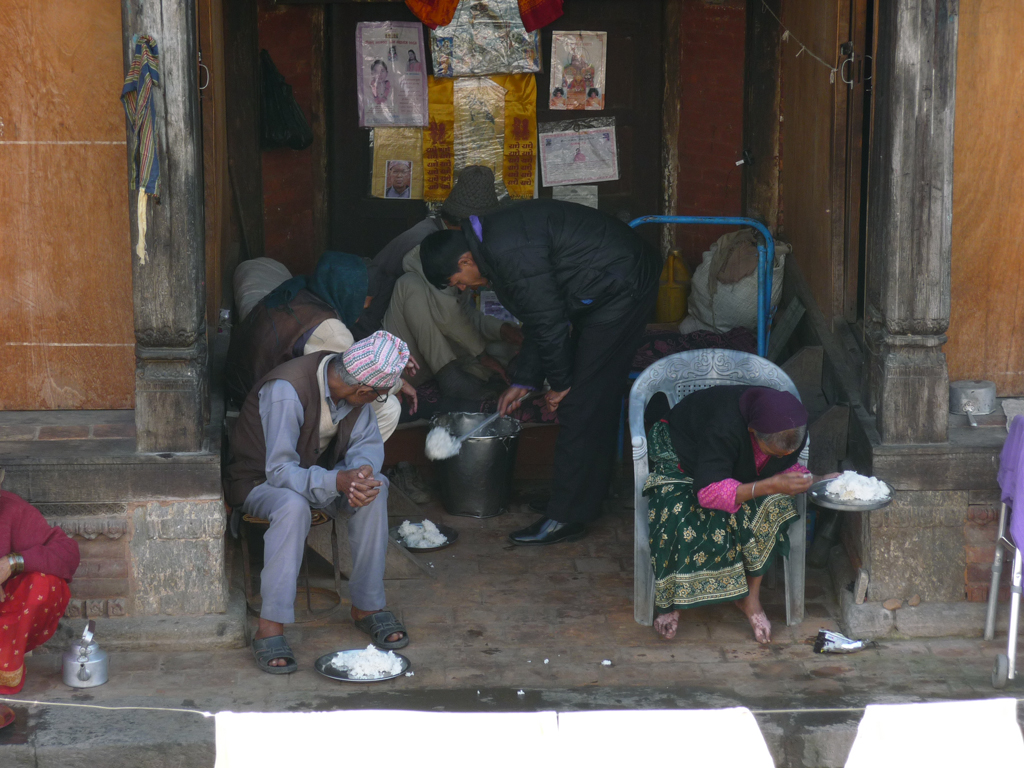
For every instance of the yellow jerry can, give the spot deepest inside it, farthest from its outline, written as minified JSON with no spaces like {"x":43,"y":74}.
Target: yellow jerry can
{"x":675,"y":284}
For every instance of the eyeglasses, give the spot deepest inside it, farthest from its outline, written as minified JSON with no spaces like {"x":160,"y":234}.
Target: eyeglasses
{"x":381,"y":398}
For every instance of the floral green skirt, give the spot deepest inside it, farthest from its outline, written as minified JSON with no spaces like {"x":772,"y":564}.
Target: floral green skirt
{"x":703,"y":556}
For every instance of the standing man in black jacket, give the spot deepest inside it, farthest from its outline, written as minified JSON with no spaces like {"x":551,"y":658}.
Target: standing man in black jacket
{"x":584,"y":285}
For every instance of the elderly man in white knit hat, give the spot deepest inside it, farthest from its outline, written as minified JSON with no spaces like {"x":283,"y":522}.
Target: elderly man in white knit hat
{"x":307,"y":438}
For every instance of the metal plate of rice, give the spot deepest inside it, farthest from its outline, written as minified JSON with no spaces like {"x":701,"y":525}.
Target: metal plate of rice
{"x":447,"y":530}
{"x":818,"y":495}
{"x":325,"y":666}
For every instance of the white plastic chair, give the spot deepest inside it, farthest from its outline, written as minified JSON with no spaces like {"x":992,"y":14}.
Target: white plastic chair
{"x":677,"y":376}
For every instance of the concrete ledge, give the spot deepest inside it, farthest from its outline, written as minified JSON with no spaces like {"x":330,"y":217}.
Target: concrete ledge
{"x":944,"y":619}
{"x":871,"y":620}
{"x":819,"y":739}
{"x":161,"y":633}
{"x":90,"y":471}
{"x":45,"y":737}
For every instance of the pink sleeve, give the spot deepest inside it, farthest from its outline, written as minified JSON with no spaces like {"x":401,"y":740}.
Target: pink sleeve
{"x":720,"y":495}
{"x":798,"y":468}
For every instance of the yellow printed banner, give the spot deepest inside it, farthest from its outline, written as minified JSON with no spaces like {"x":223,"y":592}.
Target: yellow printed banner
{"x":439,"y":140}
{"x":520,"y":147}
{"x":520,"y":171}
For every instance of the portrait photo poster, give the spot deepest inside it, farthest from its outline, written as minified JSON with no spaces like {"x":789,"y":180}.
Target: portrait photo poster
{"x":391,"y":72}
{"x":397,"y":162}
{"x":577,"y":70}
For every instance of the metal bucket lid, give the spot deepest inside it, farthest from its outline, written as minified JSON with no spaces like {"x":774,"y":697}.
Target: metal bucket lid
{"x":459,"y":423}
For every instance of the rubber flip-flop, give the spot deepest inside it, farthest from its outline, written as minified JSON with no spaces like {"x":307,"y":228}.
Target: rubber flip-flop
{"x":6,"y":716}
{"x":380,"y":626}
{"x":270,"y":648}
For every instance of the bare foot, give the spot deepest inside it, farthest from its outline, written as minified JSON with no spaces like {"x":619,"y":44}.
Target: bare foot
{"x":666,"y":624}
{"x":271,"y":629}
{"x":755,"y":614}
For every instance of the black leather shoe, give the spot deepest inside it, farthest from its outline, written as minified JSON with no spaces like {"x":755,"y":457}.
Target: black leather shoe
{"x":547,"y":531}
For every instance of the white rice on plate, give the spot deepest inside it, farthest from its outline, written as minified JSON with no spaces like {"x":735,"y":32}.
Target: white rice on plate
{"x":421,"y":535}
{"x":370,"y":664}
{"x":851,"y":486}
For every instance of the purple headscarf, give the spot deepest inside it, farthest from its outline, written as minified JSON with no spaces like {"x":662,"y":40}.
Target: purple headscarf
{"x":768,"y":410}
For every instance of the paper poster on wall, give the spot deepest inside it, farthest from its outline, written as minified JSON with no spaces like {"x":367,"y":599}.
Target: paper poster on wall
{"x":392,"y":78}
{"x":577,"y":70}
{"x":480,"y":126}
{"x":519,"y":163}
{"x":397,"y":163}
{"x":485,"y":37}
{"x":583,"y":194}
{"x":578,"y":152}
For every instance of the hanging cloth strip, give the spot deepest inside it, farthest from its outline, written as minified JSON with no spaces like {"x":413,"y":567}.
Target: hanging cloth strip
{"x":136,"y":96}
{"x":539,"y":13}
{"x":433,"y":13}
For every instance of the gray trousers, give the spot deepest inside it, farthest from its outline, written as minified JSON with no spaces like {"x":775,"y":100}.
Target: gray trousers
{"x":439,"y":328}
{"x":285,"y":541}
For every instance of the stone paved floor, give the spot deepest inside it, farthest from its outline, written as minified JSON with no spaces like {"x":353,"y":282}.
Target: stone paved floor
{"x":481,"y":632}
{"x":495,"y":613}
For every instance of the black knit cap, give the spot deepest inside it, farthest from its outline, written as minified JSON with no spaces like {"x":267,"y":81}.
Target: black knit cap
{"x":472,"y":195}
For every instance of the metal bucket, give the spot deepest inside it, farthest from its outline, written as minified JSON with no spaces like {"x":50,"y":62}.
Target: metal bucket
{"x":478,"y":481}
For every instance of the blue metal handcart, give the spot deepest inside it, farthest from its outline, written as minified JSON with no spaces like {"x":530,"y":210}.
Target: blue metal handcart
{"x":765,"y":263}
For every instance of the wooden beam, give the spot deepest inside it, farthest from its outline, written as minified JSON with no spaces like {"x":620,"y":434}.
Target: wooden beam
{"x":762,"y":107}
{"x":169,"y":287}
{"x":910,"y":206}
{"x":242,"y":95}
{"x":804,"y":369}
{"x":318,"y":122}
{"x":829,"y":434}
{"x":671,"y":51}
{"x":785,"y":327}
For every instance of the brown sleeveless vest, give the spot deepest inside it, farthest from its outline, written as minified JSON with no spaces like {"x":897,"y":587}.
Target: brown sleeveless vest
{"x":267,"y":338}
{"x":247,"y":450}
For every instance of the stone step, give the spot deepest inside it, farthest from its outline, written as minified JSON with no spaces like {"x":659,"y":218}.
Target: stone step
{"x":47,"y":737}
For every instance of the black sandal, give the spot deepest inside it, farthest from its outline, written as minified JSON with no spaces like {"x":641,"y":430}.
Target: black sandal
{"x":380,"y":626}
{"x":268,"y":649}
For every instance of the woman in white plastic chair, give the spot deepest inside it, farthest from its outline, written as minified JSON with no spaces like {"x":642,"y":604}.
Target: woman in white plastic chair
{"x":724,"y":471}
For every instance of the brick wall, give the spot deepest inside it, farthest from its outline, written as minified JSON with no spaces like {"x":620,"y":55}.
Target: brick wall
{"x":286,"y":32}
{"x":980,"y":531}
{"x":712,"y":41}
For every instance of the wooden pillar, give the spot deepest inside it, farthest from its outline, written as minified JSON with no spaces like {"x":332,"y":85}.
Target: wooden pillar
{"x":671,"y":75}
{"x":762,"y":107}
{"x":910,"y":205}
{"x":169,"y":291}
{"x":242,"y":97}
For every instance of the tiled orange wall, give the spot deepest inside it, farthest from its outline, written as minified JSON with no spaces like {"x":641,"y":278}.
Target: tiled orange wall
{"x":66,"y":338}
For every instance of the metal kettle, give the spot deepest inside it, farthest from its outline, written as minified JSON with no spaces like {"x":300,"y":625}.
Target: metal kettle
{"x":85,"y":664}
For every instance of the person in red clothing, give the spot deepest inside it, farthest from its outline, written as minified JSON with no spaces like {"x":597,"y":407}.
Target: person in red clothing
{"x":36,"y":564}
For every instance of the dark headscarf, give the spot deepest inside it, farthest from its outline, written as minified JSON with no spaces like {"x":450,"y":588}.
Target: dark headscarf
{"x":339,"y":279}
{"x":768,"y":410}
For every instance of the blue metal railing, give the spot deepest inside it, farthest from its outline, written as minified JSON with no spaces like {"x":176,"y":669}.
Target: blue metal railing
{"x":765,"y":261}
